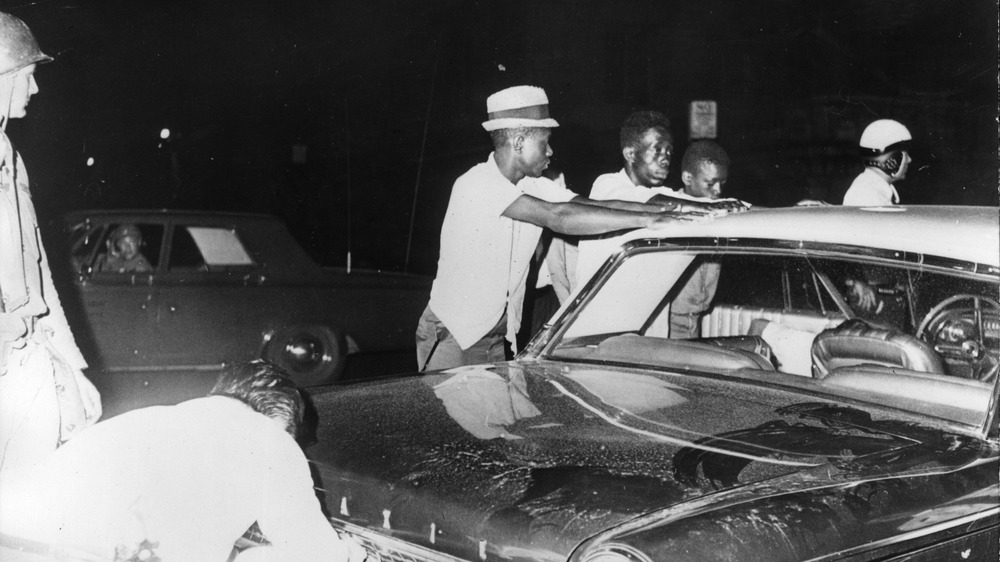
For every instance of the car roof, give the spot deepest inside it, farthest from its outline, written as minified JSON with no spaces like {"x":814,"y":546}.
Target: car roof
{"x":963,"y":233}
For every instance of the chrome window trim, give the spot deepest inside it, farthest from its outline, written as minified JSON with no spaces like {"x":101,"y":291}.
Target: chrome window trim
{"x":965,"y":521}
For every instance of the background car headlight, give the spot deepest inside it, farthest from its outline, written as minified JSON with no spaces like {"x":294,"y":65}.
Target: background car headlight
{"x":615,"y":552}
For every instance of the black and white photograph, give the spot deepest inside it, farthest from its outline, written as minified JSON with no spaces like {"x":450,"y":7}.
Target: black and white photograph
{"x":499,"y":281}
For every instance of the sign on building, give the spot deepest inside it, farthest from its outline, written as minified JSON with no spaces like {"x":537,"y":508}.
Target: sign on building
{"x":703,"y":120}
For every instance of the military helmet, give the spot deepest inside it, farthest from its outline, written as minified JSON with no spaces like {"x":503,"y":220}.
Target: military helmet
{"x":18,"y":47}
{"x":124,"y":231}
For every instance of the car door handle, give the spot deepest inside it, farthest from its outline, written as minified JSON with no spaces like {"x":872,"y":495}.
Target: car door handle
{"x":254,"y":279}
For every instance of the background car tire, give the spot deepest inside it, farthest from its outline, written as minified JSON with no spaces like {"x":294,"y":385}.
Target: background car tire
{"x":310,"y":354}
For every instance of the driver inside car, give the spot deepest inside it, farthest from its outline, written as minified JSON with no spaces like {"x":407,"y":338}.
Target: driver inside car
{"x":879,"y":295}
{"x":123,"y":255}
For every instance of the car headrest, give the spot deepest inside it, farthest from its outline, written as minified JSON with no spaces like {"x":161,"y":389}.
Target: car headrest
{"x":855,"y":342}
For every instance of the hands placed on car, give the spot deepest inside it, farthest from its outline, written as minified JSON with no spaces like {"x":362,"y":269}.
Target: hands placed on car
{"x":812,"y":203}
{"x":716,"y":208}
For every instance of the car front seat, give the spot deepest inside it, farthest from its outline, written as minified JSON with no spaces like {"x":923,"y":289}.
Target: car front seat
{"x":855,"y":342}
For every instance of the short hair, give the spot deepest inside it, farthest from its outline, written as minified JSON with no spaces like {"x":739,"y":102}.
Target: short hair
{"x":501,"y":136}
{"x":638,"y":122}
{"x":266,"y":389}
{"x":702,"y":151}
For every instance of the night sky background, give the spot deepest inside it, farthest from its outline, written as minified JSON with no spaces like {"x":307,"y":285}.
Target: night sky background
{"x":351,"y":120}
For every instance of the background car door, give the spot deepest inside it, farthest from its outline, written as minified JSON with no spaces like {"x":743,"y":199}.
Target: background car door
{"x":211,"y":308}
{"x":120,"y":306}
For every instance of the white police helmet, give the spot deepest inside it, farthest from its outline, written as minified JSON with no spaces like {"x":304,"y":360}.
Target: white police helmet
{"x":882,"y":136}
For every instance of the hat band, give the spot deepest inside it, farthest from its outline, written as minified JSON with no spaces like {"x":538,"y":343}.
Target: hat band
{"x":530,"y":112}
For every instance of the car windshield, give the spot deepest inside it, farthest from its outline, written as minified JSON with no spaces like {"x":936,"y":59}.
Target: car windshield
{"x":905,"y":335}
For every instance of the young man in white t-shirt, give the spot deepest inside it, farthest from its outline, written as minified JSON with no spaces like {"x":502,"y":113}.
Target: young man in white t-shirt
{"x":495,"y":216}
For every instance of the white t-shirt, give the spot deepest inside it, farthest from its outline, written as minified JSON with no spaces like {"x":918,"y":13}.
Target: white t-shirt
{"x":191,"y":477}
{"x":619,"y":187}
{"x":607,"y":187}
{"x":870,"y":190}
{"x":485,"y":256}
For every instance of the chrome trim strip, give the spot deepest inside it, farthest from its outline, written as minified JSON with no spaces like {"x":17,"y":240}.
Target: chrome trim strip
{"x":929,"y":530}
{"x":167,"y":368}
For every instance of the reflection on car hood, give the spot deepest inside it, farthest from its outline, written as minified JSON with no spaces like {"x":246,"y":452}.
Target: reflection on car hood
{"x":531,"y":459}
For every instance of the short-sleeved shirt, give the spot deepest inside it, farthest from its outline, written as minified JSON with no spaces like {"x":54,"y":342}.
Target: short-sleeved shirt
{"x":697,"y":294}
{"x":619,"y":187}
{"x":191,"y":477}
{"x":870,"y":190}
{"x":485,"y":256}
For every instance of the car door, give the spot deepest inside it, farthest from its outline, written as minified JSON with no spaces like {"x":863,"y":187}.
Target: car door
{"x":119,"y":307}
{"x":212,"y":304}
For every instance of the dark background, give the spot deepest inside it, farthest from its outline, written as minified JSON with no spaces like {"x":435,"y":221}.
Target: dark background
{"x":351,"y":120}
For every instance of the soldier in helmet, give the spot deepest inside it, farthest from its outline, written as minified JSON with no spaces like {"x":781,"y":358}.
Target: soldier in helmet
{"x":123,"y":255}
{"x":44,"y":397}
{"x":885,"y":151}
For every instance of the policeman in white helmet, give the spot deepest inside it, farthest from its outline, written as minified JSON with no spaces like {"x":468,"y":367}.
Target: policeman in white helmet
{"x":44,"y":396}
{"x":885,"y":151}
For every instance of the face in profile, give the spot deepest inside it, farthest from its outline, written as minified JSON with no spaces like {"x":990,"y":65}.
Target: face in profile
{"x":535,"y":152}
{"x":707,"y":181}
{"x":650,"y":161}
{"x":904,"y":165}
{"x":23,"y":87}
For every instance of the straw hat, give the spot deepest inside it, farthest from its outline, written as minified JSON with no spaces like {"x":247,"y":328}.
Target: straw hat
{"x":519,"y":106}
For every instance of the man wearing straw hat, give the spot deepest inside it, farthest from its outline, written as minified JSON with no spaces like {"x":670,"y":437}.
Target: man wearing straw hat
{"x":44,"y":397}
{"x":495,"y":216}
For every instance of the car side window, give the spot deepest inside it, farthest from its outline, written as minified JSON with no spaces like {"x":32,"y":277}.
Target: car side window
{"x":752,"y":281}
{"x":805,"y":288}
{"x":120,"y":247}
{"x":201,"y":248}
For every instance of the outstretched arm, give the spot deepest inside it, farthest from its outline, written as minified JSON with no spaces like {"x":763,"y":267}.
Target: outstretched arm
{"x":677,"y":204}
{"x":580,"y":218}
{"x":648,"y":207}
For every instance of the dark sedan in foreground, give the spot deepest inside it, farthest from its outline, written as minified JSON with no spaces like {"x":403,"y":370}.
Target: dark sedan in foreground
{"x":805,"y":423}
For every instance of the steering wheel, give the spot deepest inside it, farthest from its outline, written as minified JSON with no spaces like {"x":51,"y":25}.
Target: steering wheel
{"x":952,"y":332}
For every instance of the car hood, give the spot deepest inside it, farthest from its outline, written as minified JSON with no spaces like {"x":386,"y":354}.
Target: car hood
{"x":526,"y":460}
